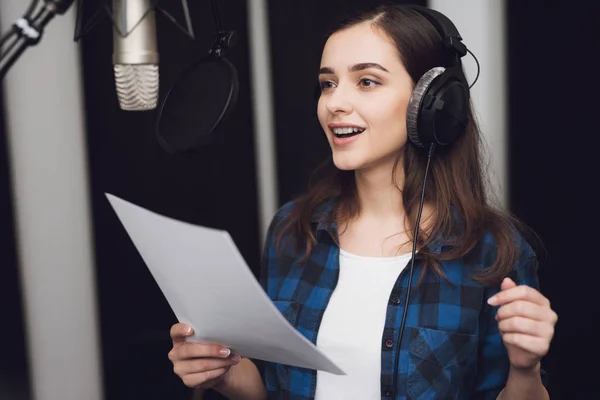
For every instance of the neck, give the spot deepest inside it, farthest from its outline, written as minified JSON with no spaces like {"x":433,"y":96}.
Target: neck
{"x":380,"y":197}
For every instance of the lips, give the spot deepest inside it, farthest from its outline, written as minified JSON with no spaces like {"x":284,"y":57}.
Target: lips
{"x":343,"y":139}
{"x":343,"y":131}
{"x":347,"y":132}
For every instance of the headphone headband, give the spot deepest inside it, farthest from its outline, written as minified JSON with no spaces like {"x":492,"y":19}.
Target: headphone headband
{"x":447,"y":30}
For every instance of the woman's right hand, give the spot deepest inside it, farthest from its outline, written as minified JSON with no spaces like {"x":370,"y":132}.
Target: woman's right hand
{"x":199,"y":365}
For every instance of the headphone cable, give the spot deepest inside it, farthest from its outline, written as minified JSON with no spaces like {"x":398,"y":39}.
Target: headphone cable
{"x":412,"y":265}
{"x":478,"y":68}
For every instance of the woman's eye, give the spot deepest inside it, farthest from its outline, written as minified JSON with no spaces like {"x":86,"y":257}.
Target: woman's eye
{"x":366,"y":82}
{"x":326,"y":85}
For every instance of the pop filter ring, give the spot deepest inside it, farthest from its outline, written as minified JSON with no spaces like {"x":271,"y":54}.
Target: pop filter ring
{"x":201,"y":138}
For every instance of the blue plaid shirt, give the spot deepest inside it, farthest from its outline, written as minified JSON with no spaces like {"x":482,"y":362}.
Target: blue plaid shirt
{"x":451,"y":347}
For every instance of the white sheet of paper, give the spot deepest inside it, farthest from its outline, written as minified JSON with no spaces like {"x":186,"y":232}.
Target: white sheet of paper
{"x":209,"y":286}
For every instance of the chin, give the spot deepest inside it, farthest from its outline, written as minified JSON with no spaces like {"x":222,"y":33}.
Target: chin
{"x":345,"y":163}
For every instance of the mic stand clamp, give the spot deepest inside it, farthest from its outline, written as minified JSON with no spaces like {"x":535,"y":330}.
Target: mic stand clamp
{"x":224,"y":40}
{"x":31,"y":31}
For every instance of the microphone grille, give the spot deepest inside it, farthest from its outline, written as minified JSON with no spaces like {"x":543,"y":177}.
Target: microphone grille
{"x":137,"y":86}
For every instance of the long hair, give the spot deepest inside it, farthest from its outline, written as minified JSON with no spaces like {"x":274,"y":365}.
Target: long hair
{"x":457,"y":183}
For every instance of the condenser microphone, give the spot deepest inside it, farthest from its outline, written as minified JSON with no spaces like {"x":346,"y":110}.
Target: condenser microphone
{"x":135,"y":54}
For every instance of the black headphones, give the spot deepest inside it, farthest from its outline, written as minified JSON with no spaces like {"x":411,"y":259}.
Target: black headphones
{"x":437,"y":114}
{"x":437,"y":111}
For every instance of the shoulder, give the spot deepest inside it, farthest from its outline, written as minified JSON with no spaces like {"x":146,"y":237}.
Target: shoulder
{"x":279,"y":231}
{"x":519,"y":257}
{"x":489,"y":243}
{"x":297,"y":209}
{"x":279,"y":218}
{"x":270,"y":274}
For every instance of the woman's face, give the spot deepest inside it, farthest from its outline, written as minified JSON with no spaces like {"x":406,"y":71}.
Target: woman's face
{"x":365,"y":91}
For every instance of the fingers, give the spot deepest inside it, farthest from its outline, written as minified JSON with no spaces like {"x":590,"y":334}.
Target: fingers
{"x":522,"y":292}
{"x":179,"y":332}
{"x":198,"y":350}
{"x":203,"y":379}
{"x":507,"y":283}
{"x":531,"y":344}
{"x":201,"y":365}
{"x":527,"y":309}
{"x":526,"y":326}
{"x":525,"y":321}
{"x":198,"y":365}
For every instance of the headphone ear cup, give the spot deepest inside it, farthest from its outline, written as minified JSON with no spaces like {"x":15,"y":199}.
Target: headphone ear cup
{"x":413,"y":113}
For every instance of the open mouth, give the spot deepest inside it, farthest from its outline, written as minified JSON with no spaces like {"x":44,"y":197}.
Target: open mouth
{"x":347,"y":132}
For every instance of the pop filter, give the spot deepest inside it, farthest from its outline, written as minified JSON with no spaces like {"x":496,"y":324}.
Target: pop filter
{"x":196,"y":104}
{"x":200,"y":99}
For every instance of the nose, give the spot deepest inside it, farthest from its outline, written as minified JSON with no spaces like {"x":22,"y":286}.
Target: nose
{"x":338,"y":102}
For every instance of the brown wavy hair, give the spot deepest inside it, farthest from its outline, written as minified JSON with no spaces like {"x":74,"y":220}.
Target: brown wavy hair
{"x":456,"y":179}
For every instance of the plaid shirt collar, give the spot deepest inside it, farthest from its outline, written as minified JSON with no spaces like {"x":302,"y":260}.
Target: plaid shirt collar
{"x":323,"y":211}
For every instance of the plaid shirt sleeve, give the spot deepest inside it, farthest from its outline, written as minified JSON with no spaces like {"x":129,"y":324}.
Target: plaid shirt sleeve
{"x":493,"y":363}
{"x":263,"y":280}
{"x":268,"y":272}
{"x":267,"y":265}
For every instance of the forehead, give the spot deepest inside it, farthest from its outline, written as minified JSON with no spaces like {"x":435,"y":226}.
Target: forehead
{"x":358,"y":44}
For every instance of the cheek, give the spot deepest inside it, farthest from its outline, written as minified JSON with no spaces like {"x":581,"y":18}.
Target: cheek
{"x":393,"y":115}
{"x":389,"y":107}
{"x":389,"y":124}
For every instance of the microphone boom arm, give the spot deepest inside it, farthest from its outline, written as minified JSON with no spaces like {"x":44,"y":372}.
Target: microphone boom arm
{"x":28,"y":30}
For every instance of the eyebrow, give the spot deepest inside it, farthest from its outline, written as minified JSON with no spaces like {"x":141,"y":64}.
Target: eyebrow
{"x":354,"y":68}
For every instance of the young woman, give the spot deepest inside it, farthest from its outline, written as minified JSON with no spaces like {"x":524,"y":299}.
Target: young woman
{"x":339,"y":260}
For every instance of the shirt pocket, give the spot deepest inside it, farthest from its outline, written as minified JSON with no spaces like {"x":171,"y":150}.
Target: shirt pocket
{"x":290,"y":311}
{"x":437,"y":362}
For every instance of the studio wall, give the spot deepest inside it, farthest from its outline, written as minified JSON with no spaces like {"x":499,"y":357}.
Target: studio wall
{"x":552,"y":106}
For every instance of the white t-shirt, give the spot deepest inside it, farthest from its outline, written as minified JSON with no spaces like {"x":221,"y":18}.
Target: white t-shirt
{"x":352,"y":327}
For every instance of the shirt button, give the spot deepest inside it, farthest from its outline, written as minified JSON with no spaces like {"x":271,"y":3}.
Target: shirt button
{"x":389,"y":343}
{"x":395,"y":300}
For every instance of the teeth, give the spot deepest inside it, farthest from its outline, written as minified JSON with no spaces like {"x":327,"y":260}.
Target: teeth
{"x":347,"y":130}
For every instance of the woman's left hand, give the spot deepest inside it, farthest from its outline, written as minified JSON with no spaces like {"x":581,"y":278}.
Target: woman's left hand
{"x":526,"y":323}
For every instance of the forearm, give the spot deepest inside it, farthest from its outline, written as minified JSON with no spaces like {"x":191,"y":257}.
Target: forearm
{"x":243,"y":382}
{"x":525,"y":385}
